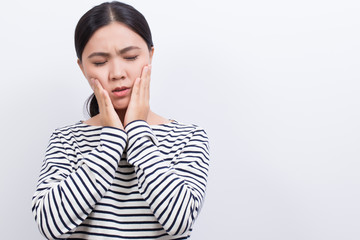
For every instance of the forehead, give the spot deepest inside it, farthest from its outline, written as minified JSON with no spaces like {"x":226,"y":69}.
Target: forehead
{"x":114,"y":36}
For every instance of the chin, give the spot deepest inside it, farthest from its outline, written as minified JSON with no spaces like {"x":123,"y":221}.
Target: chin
{"x":121,"y":105}
{"x":120,"y":108}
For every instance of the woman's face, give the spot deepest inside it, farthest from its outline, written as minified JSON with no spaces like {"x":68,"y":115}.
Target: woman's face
{"x":115,"y":55}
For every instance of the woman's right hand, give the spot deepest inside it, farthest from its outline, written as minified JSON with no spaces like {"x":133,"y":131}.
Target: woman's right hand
{"x":108,"y":115}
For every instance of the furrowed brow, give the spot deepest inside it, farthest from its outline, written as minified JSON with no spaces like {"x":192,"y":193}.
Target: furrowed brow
{"x":101,"y":54}
{"x":122,"y":51}
{"x":127,"y":49}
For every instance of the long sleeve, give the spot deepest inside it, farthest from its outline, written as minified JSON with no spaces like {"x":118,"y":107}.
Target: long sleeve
{"x":174,"y":189}
{"x":67,"y":192}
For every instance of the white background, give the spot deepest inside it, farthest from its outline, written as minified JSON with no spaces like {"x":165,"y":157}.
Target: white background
{"x":274,"y":83}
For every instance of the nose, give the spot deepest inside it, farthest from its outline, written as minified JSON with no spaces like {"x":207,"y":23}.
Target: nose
{"x":116,"y":71}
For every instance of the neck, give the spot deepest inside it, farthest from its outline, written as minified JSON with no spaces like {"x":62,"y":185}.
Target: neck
{"x":121,"y":113}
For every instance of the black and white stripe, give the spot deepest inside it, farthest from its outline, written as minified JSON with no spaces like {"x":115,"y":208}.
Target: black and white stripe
{"x":147,"y":182}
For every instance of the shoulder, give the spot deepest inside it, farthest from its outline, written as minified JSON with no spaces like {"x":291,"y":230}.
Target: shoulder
{"x":180,"y":130}
{"x":191,"y":127}
{"x":76,"y":129}
{"x":197,"y":135}
{"x":196,"y":139}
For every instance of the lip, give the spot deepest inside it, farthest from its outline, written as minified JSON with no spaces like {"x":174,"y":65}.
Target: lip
{"x":120,"y":88}
{"x":121,"y":91}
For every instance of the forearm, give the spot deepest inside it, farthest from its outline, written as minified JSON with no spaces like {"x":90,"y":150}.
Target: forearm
{"x":174,"y":192}
{"x":65,"y":197}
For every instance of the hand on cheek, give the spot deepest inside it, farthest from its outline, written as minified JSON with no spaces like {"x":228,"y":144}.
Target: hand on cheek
{"x":139,"y":106}
{"x":108,"y":115}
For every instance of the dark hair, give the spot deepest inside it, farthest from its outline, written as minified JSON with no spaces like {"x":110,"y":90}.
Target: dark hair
{"x":100,"y":16}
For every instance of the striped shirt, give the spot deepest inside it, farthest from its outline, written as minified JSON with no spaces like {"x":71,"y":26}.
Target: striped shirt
{"x":144,"y":182}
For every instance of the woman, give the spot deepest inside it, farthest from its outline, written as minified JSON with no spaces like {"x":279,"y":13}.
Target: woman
{"x":127,"y":172}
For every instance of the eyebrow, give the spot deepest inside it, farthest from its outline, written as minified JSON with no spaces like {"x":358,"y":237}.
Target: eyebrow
{"x":104,"y":54}
{"x":127,"y":49}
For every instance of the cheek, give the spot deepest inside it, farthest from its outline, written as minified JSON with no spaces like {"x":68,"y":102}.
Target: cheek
{"x":137,"y":69}
{"x":96,"y":72}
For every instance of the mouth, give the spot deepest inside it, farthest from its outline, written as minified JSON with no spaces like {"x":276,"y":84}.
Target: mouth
{"x":121,"y":91}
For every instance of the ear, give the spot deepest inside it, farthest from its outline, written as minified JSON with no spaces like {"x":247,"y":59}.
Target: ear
{"x":81,"y":66}
{"x":151,"y":54}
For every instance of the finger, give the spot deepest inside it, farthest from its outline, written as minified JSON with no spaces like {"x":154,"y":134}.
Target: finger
{"x":147,"y":84}
{"x":95,"y":88}
{"x":92,"y":84}
{"x":144,"y":77}
{"x":107,"y":101}
{"x":136,"y":88}
{"x":100,"y":96}
{"x":144,"y":71}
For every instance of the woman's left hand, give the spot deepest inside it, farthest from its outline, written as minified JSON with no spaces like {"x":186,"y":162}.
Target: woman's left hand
{"x":139,"y":106}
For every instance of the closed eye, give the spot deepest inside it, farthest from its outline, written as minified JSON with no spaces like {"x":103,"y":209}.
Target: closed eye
{"x":133,"y":58}
{"x":99,"y":63}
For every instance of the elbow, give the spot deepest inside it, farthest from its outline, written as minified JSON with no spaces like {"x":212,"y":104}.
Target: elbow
{"x":180,"y":222}
{"x":179,"y":230}
{"x":38,"y":212}
{"x":43,"y":218}
{"x":45,"y":227}
{"x":175,"y":234}
{"x":39,"y":222}
{"x":181,"y":225}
